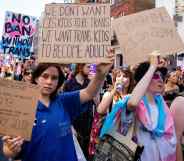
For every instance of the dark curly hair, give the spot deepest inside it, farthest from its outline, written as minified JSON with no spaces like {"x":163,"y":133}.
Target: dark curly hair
{"x":44,"y":66}
{"x":143,"y":68}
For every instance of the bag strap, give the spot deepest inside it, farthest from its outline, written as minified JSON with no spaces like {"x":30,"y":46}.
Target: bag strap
{"x":127,"y":140}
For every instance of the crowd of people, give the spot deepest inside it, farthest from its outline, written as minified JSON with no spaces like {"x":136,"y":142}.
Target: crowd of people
{"x":75,"y":102}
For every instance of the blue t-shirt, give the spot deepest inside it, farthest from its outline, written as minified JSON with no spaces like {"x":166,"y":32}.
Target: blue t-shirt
{"x":51,"y":135}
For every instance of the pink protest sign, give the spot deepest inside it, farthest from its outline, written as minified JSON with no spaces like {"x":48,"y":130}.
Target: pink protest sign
{"x":18,"y":34}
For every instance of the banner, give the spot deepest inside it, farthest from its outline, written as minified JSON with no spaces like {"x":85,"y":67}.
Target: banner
{"x":141,"y":33}
{"x":18,"y":34}
{"x":18,"y":102}
{"x":73,"y":33}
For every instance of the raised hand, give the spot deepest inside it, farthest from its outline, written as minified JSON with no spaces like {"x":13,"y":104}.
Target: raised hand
{"x":154,"y":58}
{"x":103,"y":68}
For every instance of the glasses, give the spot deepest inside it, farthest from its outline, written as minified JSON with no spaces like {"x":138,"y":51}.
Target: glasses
{"x":157,"y":76}
{"x":28,"y":73}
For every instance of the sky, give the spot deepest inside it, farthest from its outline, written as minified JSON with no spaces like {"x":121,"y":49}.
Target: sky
{"x":27,"y":7}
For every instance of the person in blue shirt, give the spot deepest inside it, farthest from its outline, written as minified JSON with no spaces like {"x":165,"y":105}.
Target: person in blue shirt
{"x":51,"y":134}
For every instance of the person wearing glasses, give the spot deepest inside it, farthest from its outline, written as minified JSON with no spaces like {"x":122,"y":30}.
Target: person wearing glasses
{"x":154,"y":123}
{"x":27,"y":75}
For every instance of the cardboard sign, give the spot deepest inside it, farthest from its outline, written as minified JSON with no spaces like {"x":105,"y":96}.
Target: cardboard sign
{"x":141,"y":33}
{"x":18,"y":34}
{"x":73,"y":33}
{"x":18,"y":101}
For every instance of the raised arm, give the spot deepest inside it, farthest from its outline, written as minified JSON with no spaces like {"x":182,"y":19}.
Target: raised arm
{"x":94,"y":86}
{"x":105,"y":102}
{"x":141,"y":87}
{"x":107,"y":98}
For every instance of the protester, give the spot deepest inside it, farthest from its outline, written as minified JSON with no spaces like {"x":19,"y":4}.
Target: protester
{"x":122,"y":85}
{"x":171,"y":82}
{"x":171,"y":88}
{"x":18,"y":71}
{"x":51,"y":135}
{"x":178,"y":113}
{"x":155,"y":126}
{"x":180,"y":76}
{"x":27,"y":75}
{"x":80,"y":78}
{"x":10,"y":72}
{"x":80,"y":81}
{"x":3,"y":72}
{"x":67,"y":72}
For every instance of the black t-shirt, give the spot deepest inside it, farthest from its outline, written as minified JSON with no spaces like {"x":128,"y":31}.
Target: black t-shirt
{"x":170,"y":96}
{"x":83,"y":123}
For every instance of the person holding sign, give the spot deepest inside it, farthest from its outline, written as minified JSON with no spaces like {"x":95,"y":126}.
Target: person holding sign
{"x":155,"y":126}
{"x":51,"y":135}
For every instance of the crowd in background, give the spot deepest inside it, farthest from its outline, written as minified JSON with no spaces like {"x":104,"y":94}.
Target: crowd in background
{"x":78,"y":76}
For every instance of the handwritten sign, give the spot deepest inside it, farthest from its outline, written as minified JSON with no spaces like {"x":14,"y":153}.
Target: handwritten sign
{"x":17,"y":108}
{"x":141,"y":33}
{"x":18,"y":34}
{"x":73,"y":33}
